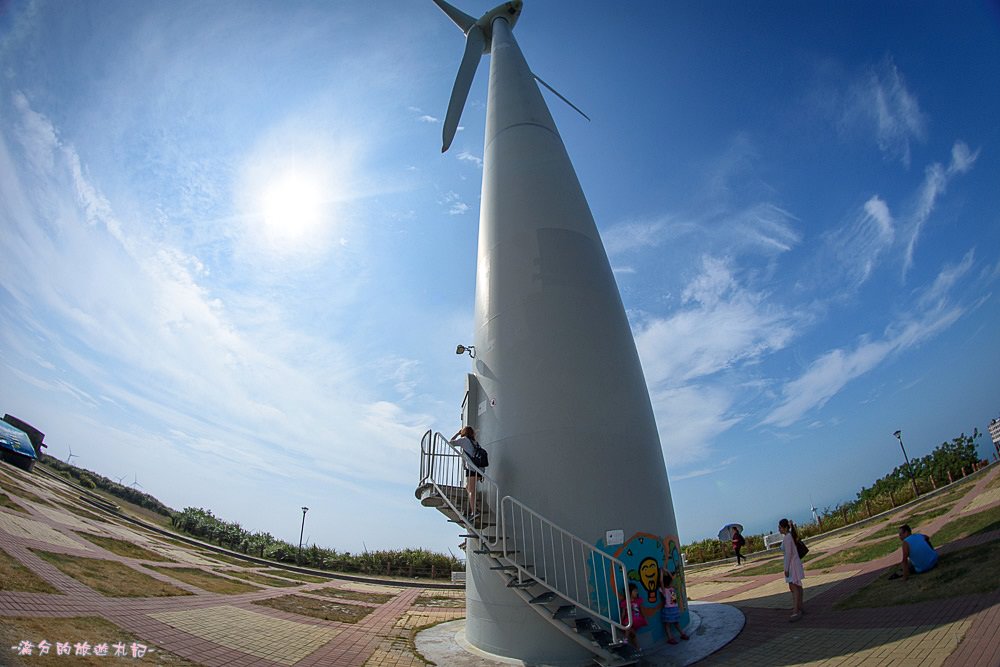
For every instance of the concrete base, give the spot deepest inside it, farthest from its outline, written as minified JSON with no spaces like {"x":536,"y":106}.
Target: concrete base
{"x":713,"y":625}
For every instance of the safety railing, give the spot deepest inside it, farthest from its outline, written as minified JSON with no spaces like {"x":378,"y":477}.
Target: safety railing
{"x":539,"y":549}
{"x":563,"y":563}
{"x":443,"y":465}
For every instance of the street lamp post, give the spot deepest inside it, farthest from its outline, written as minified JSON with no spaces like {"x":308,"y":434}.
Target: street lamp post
{"x":909,"y":468}
{"x":301,"y":531}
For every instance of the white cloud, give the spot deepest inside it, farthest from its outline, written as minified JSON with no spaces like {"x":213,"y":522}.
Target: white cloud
{"x":428,"y":119}
{"x":882,"y":104}
{"x":833,"y":370}
{"x":936,"y":179}
{"x":688,"y":419}
{"x":469,"y":157}
{"x":721,"y":324}
{"x":852,"y":251}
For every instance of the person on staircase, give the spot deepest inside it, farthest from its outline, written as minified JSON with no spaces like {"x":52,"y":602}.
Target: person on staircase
{"x":466,"y":439}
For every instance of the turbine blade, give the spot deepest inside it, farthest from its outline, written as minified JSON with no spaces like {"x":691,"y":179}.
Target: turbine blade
{"x":474,"y":43}
{"x":461,"y":19}
{"x":539,"y":80}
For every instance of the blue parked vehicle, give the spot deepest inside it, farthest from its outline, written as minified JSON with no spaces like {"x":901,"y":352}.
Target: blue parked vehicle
{"x":16,"y":447}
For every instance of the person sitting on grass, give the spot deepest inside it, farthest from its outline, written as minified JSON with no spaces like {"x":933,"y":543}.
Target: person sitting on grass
{"x":918,"y":552}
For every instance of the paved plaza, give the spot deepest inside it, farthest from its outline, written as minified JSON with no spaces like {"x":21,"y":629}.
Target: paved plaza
{"x":42,"y":519}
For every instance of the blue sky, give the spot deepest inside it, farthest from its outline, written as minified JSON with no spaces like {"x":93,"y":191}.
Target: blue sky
{"x":236,"y":264}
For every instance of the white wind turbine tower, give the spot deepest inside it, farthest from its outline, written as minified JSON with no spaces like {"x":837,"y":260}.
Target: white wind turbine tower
{"x":557,"y":394}
{"x":71,"y":456}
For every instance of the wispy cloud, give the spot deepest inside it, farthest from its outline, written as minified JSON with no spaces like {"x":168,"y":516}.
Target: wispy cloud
{"x":469,"y":157}
{"x":832,"y":371}
{"x":851,"y":252}
{"x":428,"y":119}
{"x":881,"y":103}
{"x":719,"y":325}
{"x":936,"y":179}
{"x":454,"y":203}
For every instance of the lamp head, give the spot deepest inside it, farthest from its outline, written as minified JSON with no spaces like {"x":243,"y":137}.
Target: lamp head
{"x":898,"y":434}
{"x":462,"y":349}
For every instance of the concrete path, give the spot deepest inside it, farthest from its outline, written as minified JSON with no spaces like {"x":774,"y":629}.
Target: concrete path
{"x":215,"y":629}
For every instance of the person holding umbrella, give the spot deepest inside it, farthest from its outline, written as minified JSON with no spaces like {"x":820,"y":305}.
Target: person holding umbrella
{"x":738,"y":542}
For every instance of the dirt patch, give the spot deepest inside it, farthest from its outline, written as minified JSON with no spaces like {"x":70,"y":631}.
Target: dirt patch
{"x":204,"y":580}
{"x":123,"y":548}
{"x":343,"y":593}
{"x":440,"y":601}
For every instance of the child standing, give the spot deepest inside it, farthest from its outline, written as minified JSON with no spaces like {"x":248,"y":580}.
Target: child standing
{"x":670,"y":615}
{"x":633,"y":603}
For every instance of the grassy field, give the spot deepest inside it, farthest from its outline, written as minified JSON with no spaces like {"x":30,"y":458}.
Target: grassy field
{"x":123,"y":548}
{"x":971,"y":524}
{"x":298,"y":576}
{"x":326,"y":610}
{"x":16,"y":577}
{"x":914,"y":521}
{"x":90,"y":629}
{"x":859,"y":554}
{"x":110,"y":578}
{"x":7,"y":503}
{"x":256,"y":578}
{"x":374,"y":598}
{"x":970,"y":570}
{"x":204,"y":580}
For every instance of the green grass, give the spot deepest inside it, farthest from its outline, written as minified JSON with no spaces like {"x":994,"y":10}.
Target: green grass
{"x":20,"y":491}
{"x":90,"y":629}
{"x":298,"y":576}
{"x":859,"y":554}
{"x":970,"y":570}
{"x":7,"y":503}
{"x":16,"y":577}
{"x":204,"y":580}
{"x":914,"y":520}
{"x":262,"y":579}
{"x":110,"y":578}
{"x":995,"y":483}
{"x":970,"y":524}
{"x":328,"y":610}
{"x":123,"y":548}
{"x":374,"y":598}
{"x":222,"y":558}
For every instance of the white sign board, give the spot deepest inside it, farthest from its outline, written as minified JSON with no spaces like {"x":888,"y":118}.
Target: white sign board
{"x":613,"y":537}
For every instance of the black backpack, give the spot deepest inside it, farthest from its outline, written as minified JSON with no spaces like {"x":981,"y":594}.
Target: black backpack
{"x":479,"y":457}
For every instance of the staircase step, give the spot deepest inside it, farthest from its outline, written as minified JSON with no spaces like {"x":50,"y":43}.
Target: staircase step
{"x":486,"y":550}
{"x":602,"y":637}
{"x":504,"y":567}
{"x":547,"y":596}
{"x":585,"y":624}
{"x":514,"y":583}
{"x":624,"y":649}
{"x":565,"y":611}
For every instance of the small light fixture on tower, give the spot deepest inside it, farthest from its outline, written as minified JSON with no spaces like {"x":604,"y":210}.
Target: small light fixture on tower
{"x":462,"y":349}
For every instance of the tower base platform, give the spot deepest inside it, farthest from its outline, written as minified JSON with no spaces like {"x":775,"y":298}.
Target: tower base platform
{"x":713,"y":625}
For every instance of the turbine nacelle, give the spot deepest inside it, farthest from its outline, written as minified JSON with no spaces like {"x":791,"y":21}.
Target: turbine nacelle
{"x":478,"y":36}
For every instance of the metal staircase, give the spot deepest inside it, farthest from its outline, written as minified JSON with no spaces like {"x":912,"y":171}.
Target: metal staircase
{"x":568,"y":582}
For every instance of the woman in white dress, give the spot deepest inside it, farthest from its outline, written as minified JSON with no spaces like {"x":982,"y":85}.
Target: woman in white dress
{"x":794,"y":572}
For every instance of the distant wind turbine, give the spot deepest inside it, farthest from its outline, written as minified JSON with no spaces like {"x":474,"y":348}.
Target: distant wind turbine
{"x":69,"y":459}
{"x":135,"y":481}
{"x":119,"y":479}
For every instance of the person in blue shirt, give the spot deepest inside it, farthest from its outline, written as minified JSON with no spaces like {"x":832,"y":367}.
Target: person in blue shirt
{"x":918,"y":552}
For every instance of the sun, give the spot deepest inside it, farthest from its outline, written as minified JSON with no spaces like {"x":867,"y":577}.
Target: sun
{"x":292,"y":207}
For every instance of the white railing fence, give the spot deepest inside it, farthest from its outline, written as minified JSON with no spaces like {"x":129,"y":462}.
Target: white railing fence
{"x":562,"y":562}
{"x":542,"y":551}
{"x":443,"y":465}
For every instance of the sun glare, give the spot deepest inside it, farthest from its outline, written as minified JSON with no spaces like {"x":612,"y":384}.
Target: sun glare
{"x":292,"y":207}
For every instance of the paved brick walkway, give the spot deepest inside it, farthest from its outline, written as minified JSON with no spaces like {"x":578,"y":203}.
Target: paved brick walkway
{"x":214,"y":629}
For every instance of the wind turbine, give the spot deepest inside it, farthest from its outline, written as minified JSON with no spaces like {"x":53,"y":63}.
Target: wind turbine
{"x":69,"y":459}
{"x":556,"y":382}
{"x":135,"y":481}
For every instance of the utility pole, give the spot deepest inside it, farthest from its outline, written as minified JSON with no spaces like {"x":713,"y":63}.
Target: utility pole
{"x":301,"y":531}
{"x":909,"y":468}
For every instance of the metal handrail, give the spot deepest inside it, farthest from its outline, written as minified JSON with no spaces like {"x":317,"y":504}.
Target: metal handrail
{"x":563,"y":563}
{"x":443,"y":465}
{"x":539,"y":549}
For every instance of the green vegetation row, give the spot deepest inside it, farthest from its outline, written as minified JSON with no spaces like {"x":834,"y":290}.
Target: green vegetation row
{"x":948,"y":462}
{"x":91,"y":480}
{"x":204,"y":525}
